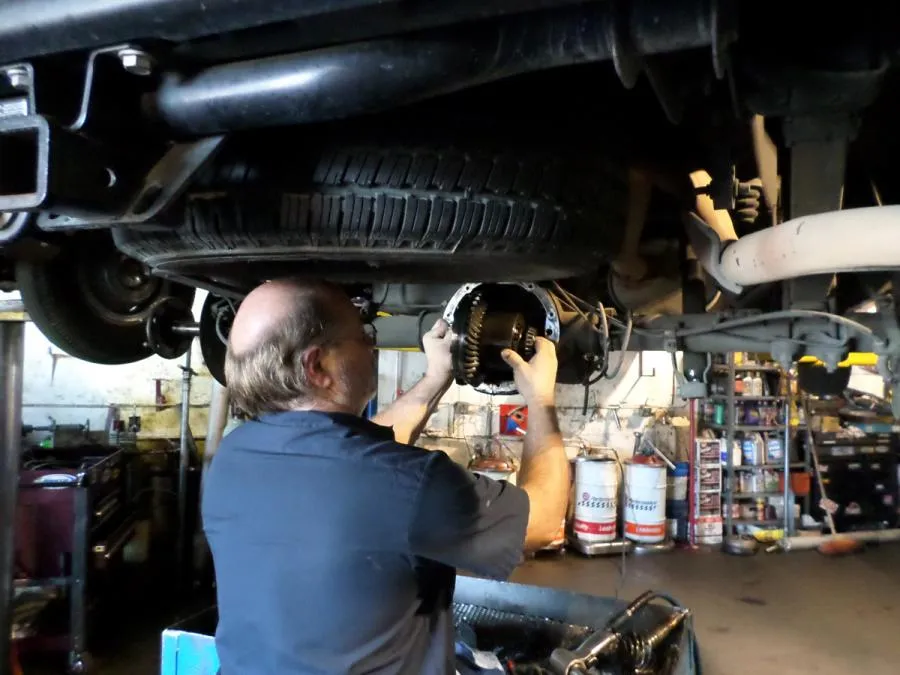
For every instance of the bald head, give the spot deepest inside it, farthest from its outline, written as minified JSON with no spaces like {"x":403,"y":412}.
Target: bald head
{"x":278,"y":326}
{"x":270,"y":306}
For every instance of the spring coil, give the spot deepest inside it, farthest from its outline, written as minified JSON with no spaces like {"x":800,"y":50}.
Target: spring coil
{"x":530,"y":338}
{"x":637,"y":652}
{"x":748,"y":196}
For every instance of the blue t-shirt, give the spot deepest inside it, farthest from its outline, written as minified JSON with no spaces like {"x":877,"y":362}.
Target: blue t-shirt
{"x":335,"y":547}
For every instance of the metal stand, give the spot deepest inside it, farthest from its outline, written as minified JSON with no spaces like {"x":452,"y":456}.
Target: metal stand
{"x":600,"y":548}
{"x":12,"y":357}
{"x":218,"y":419}
{"x":664,"y":546}
{"x":183,"y":545}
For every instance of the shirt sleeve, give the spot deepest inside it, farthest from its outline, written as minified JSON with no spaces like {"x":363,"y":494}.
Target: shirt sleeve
{"x":469,"y":521}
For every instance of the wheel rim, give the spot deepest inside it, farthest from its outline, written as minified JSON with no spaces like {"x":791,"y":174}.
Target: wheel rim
{"x":119,"y":289}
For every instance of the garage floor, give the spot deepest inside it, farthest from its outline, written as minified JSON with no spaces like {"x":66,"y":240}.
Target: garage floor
{"x":791,"y":614}
{"x":788,"y":614}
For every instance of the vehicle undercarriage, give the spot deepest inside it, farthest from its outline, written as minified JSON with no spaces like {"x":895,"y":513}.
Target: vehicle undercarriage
{"x":698,"y":176}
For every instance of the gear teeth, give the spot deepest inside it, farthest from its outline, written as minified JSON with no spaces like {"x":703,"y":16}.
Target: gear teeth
{"x":472,"y":361}
{"x":528,"y":347}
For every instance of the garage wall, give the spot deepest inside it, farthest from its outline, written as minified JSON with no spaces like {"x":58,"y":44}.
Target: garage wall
{"x":70,"y":391}
{"x":466,"y":419}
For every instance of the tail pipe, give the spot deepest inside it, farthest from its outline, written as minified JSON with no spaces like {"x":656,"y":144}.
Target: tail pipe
{"x":371,"y":76}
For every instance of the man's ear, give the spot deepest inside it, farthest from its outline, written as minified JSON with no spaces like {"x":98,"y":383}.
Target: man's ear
{"x":317,"y":375}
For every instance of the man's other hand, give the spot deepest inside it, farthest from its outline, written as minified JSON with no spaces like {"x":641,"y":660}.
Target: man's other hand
{"x":535,"y":379}
{"x":436,"y":344}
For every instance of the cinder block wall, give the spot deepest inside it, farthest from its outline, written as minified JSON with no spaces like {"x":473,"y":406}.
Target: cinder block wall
{"x":70,"y":391}
{"x":465,"y":418}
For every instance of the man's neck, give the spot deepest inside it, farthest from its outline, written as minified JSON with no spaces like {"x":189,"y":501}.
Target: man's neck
{"x":328,"y":407}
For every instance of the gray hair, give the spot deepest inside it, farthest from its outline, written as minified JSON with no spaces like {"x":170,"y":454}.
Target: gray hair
{"x":269,"y":377}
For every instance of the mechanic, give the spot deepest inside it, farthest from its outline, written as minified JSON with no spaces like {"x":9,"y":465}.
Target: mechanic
{"x":335,"y":540}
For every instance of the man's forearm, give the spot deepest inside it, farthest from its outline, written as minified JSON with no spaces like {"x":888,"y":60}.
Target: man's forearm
{"x":544,"y":475}
{"x":409,"y":413}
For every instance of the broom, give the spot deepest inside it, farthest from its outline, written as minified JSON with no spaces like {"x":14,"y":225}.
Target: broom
{"x":836,"y":544}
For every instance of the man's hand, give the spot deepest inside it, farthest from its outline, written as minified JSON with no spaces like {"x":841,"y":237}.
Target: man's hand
{"x":409,"y":413}
{"x":436,"y":344}
{"x":536,"y":379}
{"x":544,"y":474}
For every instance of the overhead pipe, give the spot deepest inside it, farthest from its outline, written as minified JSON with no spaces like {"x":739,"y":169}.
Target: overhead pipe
{"x":57,"y":26}
{"x":403,"y":332}
{"x":852,"y":240}
{"x":376,"y":75}
{"x":30,"y":28}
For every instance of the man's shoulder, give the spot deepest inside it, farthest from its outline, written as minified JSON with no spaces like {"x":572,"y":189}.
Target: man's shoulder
{"x":335,"y":437}
{"x":278,"y":431}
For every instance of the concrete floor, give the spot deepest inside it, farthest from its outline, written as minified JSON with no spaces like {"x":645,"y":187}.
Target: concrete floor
{"x":793,"y":614}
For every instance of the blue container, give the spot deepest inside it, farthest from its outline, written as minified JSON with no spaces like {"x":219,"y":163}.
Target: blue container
{"x":677,"y":508}
{"x":187,"y":649}
{"x":677,"y":482}
{"x":677,"y":512}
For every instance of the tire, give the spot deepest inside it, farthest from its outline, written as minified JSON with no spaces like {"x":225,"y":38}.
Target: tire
{"x":216,"y":318}
{"x":76,"y":302}
{"x":369,"y":211}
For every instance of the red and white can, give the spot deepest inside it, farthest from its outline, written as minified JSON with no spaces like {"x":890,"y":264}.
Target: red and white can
{"x":645,"y":501}
{"x":596,"y":499}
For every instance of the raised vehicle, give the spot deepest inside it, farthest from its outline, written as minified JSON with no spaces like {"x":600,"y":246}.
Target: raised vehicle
{"x":688,"y":175}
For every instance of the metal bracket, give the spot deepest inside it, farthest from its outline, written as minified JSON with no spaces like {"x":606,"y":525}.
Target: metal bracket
{"x":90,"y":180}
{"x":165,"y":182}
{"x":670,"y":342}
{"x":708,"y":248}
{"x":88,"y":88}
{"x":887,"y":309}
{"x":783,"y":351}
{"x":889,"y":351}
{"x":688,"y":389}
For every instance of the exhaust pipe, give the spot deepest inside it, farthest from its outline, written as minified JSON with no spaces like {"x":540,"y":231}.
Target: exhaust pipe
{"x":852,"y":240}
{"x":377,"y":75}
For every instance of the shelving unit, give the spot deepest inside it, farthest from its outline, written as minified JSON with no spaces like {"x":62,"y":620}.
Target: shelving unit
{"x":861,"y":473}
{"x":730,"y":428}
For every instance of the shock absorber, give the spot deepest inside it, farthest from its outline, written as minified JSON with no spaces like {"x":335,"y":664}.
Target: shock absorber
{"x":639,"y":651}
